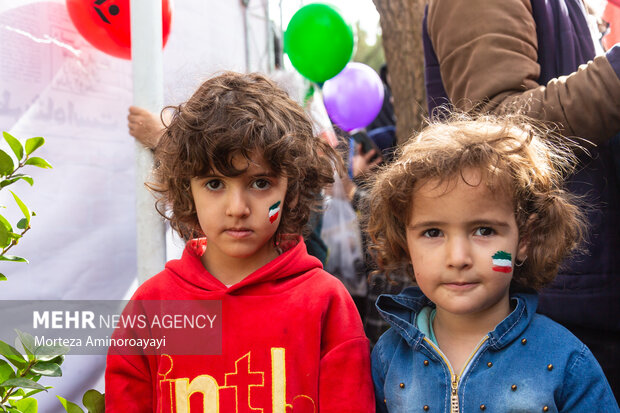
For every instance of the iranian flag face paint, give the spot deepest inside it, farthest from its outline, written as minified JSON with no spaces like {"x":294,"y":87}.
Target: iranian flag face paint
{"x":274,"y":211}
{"x":502,"y":262}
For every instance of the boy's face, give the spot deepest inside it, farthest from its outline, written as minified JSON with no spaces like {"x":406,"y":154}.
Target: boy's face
{"x":239,"y":216}
{"x":463,"y":242}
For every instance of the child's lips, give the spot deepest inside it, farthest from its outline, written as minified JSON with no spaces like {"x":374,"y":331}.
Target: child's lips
{"x":460,"y":286}
{"x":238,"y":233}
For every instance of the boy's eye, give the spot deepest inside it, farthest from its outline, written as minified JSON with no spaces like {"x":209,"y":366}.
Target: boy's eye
{"x":432,"y":233}
{"x":261,"y":184}
{"x":484,"y":231}
{"x":214,"y":184}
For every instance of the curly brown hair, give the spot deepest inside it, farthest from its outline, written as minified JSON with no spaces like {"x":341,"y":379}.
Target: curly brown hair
{"x":516,"y":156}
{"x":240,"y":114}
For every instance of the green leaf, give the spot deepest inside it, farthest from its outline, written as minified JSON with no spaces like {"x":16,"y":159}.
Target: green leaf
{"x":33,"y":392}
{"x":6,"y":164}
{"x":49,"y":353}
{"x":16,"y":178}
{"x":22,"y":206}
{"x":27,"y":405}
{"x":15,"y":145}
{"x":13,"y":258}
{"x":2,"y":277}
{"x":21,"y":382}
{"x":69,"y":406}
{"x":33,"y":143}
{"x":58,"y":360}
{"x":5,"y":236}
{"x":47,"y":368}
{"x":15,"y":236}
{"x":18,"y":394}
{"x":6,"y":224}
{"x":12,"y":355}
{"x":27,"y":341}
{"x":36,"y":161}
{"x":94,"y":401}
{"x":6,"y":371}
{"x":23,"y":223}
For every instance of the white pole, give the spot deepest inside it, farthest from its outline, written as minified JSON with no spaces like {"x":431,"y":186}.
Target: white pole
{"x":246,"y":28}
{"x":148,"y":92}
{"x":270,"y":39}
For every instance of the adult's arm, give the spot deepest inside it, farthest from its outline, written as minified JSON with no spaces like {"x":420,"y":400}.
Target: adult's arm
{"x":487,"y":51}
{"x":145,"y":126}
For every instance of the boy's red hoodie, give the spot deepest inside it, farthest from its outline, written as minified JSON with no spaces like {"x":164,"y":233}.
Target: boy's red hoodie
{"x":292,"y":341}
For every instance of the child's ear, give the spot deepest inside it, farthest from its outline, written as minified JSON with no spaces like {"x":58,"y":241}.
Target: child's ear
{"x":522,"y":250}
{"x":524,"y":239}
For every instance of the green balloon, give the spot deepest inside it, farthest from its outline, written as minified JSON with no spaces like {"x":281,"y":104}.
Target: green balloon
{"x":319,"y":42}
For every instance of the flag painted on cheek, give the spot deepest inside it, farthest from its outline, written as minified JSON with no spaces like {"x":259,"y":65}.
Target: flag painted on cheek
{"x":274,"y":210}
{"x":502,"y":262}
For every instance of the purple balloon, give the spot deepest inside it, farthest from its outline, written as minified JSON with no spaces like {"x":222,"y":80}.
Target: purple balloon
{"x":353,"y":98}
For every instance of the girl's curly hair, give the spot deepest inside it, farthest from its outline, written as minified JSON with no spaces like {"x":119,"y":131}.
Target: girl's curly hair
{"x":240,"y":114}
{"x":515,"y":156}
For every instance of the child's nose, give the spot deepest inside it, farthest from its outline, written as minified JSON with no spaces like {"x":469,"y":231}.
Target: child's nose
{"x":238,"y":205}
{"x":459,"y":253}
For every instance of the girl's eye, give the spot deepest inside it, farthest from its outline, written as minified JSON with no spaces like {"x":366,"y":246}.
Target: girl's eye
{"x":432,"y":233}
{"x":261,"y":184}
{"x":484,"y":231}
{"x":214,"y":184}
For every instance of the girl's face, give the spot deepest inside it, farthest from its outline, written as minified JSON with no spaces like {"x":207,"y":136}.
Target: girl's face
{"x":240,"y":215}
{"x":463,"y":241}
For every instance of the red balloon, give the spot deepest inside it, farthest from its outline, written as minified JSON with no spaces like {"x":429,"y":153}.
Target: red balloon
{"x":105,"y":24}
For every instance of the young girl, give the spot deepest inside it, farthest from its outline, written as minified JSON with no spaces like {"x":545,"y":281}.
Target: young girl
{"x":475,"y":211}
{"x":238,"y":169}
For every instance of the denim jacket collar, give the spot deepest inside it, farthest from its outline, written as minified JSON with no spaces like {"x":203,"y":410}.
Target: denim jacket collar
{"x":401,"y":310}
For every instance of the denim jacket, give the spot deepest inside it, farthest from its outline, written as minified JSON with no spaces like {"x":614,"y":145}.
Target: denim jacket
{"x":527,"y":364}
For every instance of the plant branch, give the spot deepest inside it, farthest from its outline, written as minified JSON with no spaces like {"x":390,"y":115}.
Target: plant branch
{"x":14,"y":242}
{"x":10,"y":392}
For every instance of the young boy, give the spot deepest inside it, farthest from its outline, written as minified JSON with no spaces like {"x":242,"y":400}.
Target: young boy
{"x":239,"y":168}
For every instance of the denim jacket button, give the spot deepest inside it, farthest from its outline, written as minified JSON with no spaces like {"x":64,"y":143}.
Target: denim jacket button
{"x":514,"y":387}
{"x":426,"y":362}
{"x":402,"y":385}
{"x":550,"y":367}
{"x":483,"y":407}
{"x":425,"y":407}
{"x":523,"y":341}
{"x":545,"y":409}
{"x":489,"y":364}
